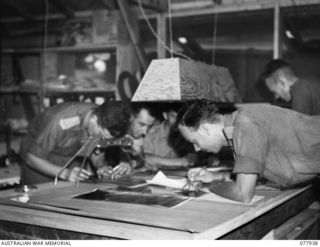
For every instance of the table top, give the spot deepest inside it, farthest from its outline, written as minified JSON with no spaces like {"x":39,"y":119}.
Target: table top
{"x":195,"y":218}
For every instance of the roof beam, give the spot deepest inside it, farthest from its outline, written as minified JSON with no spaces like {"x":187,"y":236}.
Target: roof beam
{"x":194,"y":8}
{"x":207,"y":7}
{"x":125,"y":12}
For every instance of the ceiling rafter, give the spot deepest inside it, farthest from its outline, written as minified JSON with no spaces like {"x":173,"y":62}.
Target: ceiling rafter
{"x":184,"y":9}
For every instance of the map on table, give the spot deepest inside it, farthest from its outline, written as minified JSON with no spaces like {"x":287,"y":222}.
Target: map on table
{"x":144,"y":197}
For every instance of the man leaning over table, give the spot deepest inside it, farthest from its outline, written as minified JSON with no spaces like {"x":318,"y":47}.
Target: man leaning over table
{"x":278,"y":144}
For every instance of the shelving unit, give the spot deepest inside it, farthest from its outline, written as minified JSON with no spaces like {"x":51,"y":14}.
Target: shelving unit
{"x":53,"y":94}
{"x":32,"y":98}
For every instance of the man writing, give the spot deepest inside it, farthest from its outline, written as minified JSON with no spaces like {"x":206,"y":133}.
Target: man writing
{"x":278,"y":144}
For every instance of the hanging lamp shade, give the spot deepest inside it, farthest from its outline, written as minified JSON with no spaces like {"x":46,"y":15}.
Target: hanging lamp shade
{"x":176,"y":79}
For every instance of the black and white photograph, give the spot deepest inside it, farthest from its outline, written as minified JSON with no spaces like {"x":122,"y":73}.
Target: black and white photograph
{"x":160,"y":120}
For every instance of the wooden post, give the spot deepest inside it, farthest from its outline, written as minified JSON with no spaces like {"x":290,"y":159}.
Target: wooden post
{"x":42,"y":80}
{"x":126,"y":62}
{"x":161,"y":30}
{"x":125,"y":13}
{"x":277,"y":29}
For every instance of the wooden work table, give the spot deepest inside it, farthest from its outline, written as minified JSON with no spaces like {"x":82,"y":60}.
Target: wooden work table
{"x":52,"y":213}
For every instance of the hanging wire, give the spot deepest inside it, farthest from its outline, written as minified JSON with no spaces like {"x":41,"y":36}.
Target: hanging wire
{"x":42,"y":87}
{"x":170,"y":28}
{"x":296,"y":22}
{"x":157,"y":36}
{"x":214,"y":35}
{"x":45,"y":27}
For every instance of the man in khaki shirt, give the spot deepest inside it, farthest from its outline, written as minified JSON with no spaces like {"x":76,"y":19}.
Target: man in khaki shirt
{"x":278,"y":144}
{"x":56,"y":135}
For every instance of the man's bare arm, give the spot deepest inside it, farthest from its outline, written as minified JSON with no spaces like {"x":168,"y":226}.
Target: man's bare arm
{"x":242,"y":190}
{"x":47,"y":168}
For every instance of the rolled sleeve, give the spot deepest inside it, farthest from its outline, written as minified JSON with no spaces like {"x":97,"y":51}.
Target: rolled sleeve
{"x":251,"y":146}
{"x":39,"y":151}
{"x":248,"y":165}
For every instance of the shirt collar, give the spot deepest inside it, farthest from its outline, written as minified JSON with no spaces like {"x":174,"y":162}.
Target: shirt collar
{"x":84,"y":124}
{"x":229,"y":119}
{"x":229,"y":122}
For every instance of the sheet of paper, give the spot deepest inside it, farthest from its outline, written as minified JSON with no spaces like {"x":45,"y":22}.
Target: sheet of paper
{"x":163,"y":180}
{"x":216,"y":198}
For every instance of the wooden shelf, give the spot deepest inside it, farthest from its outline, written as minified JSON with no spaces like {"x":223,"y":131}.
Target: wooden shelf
{"x":89,"y":48}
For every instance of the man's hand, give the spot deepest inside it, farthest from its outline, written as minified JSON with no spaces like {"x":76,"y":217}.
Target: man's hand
{"x":72,"y":174}
{"x":188,"y":160}
{"x":202,"y":175}
{"x":122,"y":169}
{"x":104,"y":171}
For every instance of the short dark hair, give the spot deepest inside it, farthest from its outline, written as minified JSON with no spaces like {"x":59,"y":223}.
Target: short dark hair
{"x":114,"y":116}
{"x":195,"y":112}
{"x":272,"y":67}
{"x":171,"y":106}
{"x":136,"y":108}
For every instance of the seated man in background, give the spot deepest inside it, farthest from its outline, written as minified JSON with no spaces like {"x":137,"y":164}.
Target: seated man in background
{"x":124,"y":160}
{"x":278,"y":144}
{"x":159,"y":150}
{"x":56,"y":134}
{"x":282,"y":81}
